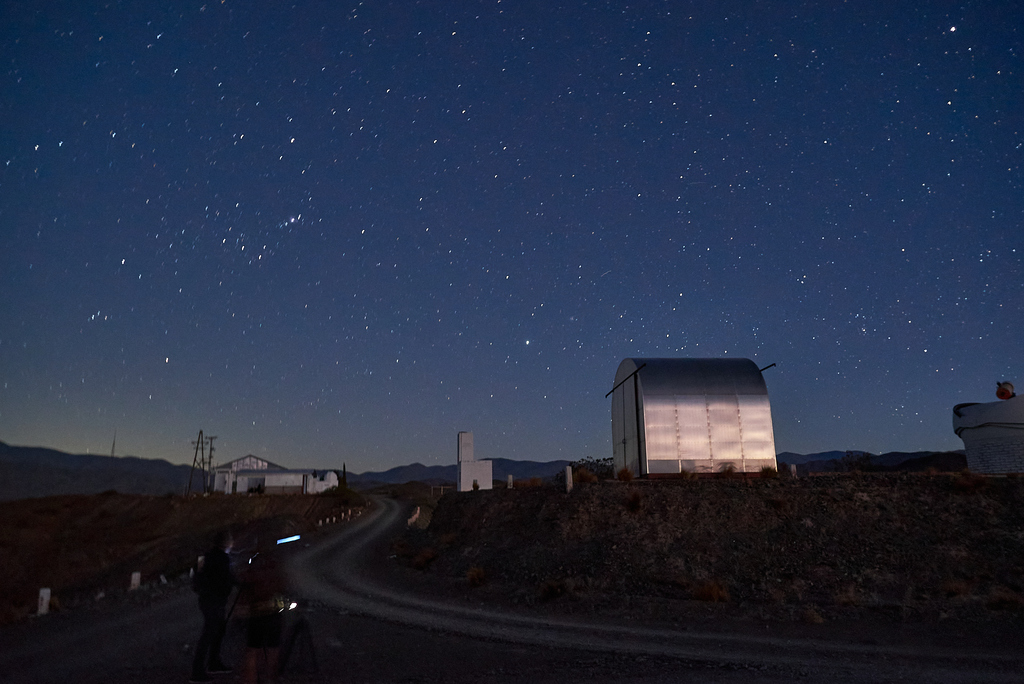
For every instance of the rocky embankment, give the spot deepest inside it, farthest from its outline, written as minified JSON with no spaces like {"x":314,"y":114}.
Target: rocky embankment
{"x":895,"y":546}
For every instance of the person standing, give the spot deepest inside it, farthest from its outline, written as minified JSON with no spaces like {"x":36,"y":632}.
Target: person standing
{"x":262,"y":593}
{"x":214,"y":582}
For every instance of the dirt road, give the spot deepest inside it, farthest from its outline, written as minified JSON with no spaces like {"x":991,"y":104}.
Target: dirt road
{"x":365,"y":629}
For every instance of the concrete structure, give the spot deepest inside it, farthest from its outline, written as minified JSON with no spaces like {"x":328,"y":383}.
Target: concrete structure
{"x":993,"y":435}
{"x":472,"y":471}
{"x":695,"y":415}
{"x":252,"y":474}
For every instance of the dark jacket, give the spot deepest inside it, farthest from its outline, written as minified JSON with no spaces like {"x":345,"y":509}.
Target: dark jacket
{"x":216,"y":579}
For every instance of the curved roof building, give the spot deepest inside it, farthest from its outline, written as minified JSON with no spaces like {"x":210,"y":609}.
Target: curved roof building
{"x":695,"y":415}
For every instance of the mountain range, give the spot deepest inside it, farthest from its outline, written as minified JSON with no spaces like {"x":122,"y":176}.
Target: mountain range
{"x":29,"y":472}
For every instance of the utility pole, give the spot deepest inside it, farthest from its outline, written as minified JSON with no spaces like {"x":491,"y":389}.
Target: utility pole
{"x":200,"y":461}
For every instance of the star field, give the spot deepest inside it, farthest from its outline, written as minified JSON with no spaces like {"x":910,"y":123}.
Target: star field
{"x":333,"y":232}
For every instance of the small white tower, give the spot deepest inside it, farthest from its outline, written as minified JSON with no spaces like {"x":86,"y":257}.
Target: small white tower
{"x":471,"y":471}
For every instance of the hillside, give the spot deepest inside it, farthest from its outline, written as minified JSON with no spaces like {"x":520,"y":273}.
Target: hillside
{"x":417,"y":472}
{"x":27,"y":472}
{"x":80,"y":545}
{"x":893,"y":545}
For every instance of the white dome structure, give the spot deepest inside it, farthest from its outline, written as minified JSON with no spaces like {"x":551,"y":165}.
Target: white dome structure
{"x":993,"y":435}
{"x":692,"y":415}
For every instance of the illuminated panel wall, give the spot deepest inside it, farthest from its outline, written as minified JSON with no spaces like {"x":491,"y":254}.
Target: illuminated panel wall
{"x":696,"y":415}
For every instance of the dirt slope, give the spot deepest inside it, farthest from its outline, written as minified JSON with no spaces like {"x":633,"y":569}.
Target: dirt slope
{"x":79,"y":545}
{"x":890,"y":545}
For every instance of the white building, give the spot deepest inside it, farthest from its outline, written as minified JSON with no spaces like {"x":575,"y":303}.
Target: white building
{"x":694,"y":415}
{"x":252,"y":474}
{"x":471,"y":471}
{"x":993,"y":435}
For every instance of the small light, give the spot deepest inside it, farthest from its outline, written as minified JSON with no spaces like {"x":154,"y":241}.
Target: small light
{"x":288,"y":539}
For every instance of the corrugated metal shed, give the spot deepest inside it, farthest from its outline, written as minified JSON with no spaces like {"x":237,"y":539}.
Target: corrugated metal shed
{"x":697,"y":415}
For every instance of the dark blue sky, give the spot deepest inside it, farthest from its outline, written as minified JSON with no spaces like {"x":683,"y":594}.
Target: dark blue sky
{"x":331,"y":231}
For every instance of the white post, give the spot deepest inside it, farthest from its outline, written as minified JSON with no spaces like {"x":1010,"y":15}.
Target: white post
{"x":510,"y":482}
{"x":136,"y":581}
{"x":568,"y":479}
{"x":44,"y":602}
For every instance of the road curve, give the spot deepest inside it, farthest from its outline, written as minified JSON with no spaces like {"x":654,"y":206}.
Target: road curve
{"x":334,"y":573}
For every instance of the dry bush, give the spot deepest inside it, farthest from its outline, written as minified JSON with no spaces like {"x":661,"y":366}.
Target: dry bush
{"x":1004,"y":598}
{"x":967,"y":482}
{"x":728,"y":472}
{"x":812,"y":617}
{"x":582,"y":475}
{"x":550,"y":589}
{"x":633,"y":501}
{"x":625,"y":475}
{"x":402,"y":549}
{"x":781,"y":506}
{"x":953,"y":588}
{"x":848,"y":596}
{"x":529,"y":482}
{"x":476,"y":576}
{"x":769,"y":472}
{"x":712,"y":591}
{"x":424,"y":558}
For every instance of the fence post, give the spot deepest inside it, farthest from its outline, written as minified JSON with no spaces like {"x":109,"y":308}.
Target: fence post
{"x":44,"y":602}
{"x":568,"y":479}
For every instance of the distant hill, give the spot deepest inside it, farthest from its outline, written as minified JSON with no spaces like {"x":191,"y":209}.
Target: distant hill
{"x":800,"y":459}
{"x":29,"y":472}
{"x":501,"y":469}
{"x":893,"y":461}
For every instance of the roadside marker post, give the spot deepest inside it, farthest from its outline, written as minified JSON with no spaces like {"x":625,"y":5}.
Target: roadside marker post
{"x":568,"y":479}
{"x":136,"y":581}
{"x":44,"y":602}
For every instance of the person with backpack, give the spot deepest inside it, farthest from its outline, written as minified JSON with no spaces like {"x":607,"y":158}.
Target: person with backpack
{"x":213,"y":582}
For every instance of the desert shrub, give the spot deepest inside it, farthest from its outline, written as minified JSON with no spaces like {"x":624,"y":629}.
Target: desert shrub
{"x":529,"y":482}
{"x":953,"y":588}
{"x":424,"y":558}
{"x":812,"y":617}
{"x":1004,"y":598}
{"x":625,"y":475}
{"x":602,"y":468}
{"x":633,"y":501}
{"x":855,"y":462}
{"x":402,"y":549}
{"x":581,"y":475}
{"x":712,"y":591}
{"x":847,"y":596}
{"x":550,"y":589}
{"x":728,"y":472}
{"x":967,"y":482}
{"x":780,"y":505}
{"x":476,"y":576}
{"x":769,"y":472}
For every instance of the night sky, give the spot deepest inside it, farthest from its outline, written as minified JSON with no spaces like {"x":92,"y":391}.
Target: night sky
{"x":337,"y":232}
